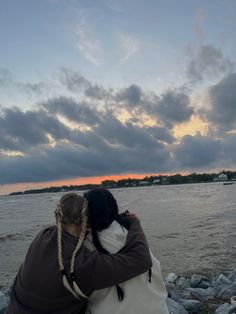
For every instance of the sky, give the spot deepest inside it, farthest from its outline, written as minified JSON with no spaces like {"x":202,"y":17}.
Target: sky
{"x":97,"y":89}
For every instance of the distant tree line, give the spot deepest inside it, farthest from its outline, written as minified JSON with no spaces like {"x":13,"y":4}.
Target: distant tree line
{"x":132,"y":182}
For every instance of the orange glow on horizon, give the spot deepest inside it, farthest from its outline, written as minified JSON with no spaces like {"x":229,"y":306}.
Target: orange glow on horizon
{"x":8,"y":188}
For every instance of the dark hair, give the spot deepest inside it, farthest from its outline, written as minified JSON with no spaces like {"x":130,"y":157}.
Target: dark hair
{"x":103,"y":210}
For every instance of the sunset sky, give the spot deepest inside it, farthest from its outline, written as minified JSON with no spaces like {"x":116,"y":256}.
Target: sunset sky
{"x":95,"y":89}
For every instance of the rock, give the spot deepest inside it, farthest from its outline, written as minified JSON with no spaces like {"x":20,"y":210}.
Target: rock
{"x":232,"y":309}
{"x":204,"y":284}
{"x":197,"y":279}
{"x":8,"y":294}
{"x":170,"y":286}
{"x":212,"y":307}
{"x":226,"y":308}
{"x":223,"y":309}
{"x":202,"y":294}
{"x":222,"y":279}
{"x":183,"y":282}
{"x":3,"y":303}
{"x":232,"y":275}
{"x":171,"y":277}
{"x":177,"y":295}
{"x":227,"y":292}
{"x":174,"y":307}
{"x":192,"y":306}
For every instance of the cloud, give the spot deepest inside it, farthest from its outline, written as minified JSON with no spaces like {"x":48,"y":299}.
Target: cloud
{"x":197,"y":151}
{"x":69,"y":161}
{"x":208,"y":61}
{"x":94,"y":138}
{"x":77,"y":83}
{"x":5,"y":78}
{"x":131,"y":95}
{"x":22,"y":131}
{"x":7,"y":81}
{"x":222,"y":101}
{"x":172,"y":107}
{"x":88,"y":45}
{"x":76,"y":111}
{"x":129,"y":46}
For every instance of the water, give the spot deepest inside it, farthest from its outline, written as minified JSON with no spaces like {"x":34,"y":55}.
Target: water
{"x":190,"y":228}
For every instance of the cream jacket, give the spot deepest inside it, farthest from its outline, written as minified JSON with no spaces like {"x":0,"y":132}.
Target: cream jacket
{"x":141,"y":296}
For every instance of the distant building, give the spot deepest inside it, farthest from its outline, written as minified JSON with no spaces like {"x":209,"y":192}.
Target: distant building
{"x":156,"y":181}
{"x":164,"y":180}
{"x":221,"y":177}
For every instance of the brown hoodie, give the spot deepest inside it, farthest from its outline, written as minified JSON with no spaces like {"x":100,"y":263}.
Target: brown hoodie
{"x":38,"y":287}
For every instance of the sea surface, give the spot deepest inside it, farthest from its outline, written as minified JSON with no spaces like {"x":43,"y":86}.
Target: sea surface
{"x":190,"y":228}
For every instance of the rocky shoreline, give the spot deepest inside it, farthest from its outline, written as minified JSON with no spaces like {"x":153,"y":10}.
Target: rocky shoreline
{"x":189,"y":294}
{"x":201,"y":294}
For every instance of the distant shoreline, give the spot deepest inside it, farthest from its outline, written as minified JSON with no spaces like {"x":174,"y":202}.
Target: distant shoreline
{"x":227,"y":177}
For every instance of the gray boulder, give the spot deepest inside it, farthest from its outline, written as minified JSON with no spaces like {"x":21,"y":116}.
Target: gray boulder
{"x":171,"y":277}
{"x":202,"y":294}
{"x":177,"y":295}
{"x":3,"y":303}
{"x":174,"y":307}
{"x":192,"y":306}
{"x":183,"y":283}
{"x":222,"y":279}
{"x":197,"y":279}
{"x":204,"y":284}
{"x":232,"y":275}
{"x":227,"y":292}
{"x":226,"y":308}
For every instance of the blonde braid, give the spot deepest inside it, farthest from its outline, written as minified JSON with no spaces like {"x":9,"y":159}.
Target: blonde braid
{"x":77,"y":293}
{"x":81,"y":239}
{"x":59,"y":236}
{"x":82,"y":234}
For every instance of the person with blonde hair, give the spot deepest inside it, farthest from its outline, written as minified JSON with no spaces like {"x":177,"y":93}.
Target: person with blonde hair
{"x":145,"y":293}
{"x":59,"y":273}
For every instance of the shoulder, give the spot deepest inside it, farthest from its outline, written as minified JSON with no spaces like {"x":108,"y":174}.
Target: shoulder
{"x":46,"y":234}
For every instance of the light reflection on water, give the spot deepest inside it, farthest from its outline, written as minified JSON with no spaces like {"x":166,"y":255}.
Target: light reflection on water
{"x":190,"y":228}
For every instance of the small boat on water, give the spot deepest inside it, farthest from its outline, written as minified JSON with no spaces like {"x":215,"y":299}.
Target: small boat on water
{"x":228,"y":183}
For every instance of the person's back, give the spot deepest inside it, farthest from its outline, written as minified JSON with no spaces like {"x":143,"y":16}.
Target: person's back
{"x":145,"y":293}
{"x":59,"y":272}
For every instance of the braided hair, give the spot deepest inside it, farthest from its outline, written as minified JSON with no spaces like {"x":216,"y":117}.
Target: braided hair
{"x":103,"y":210}
{"x":72,"y":209}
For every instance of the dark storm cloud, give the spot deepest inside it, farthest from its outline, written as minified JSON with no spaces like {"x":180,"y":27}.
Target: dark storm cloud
{"x":70,"y":161}
{"x":222,"y":97}
{"x":73,"y":110}
{"x":131,"y":95}
{"x":103,"y":144}
{"x":229,"y":148}
{"x":75,"y":82}
{"x":197,"y":151}
{"x":161,"y":134}
{"x":172,"y":107}
{"x":22,"y":130}
{"x":125,"y":134}
{"x":208,"y":61}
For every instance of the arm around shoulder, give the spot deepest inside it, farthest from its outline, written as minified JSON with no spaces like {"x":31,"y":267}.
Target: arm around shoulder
{"x":132,"y":260}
